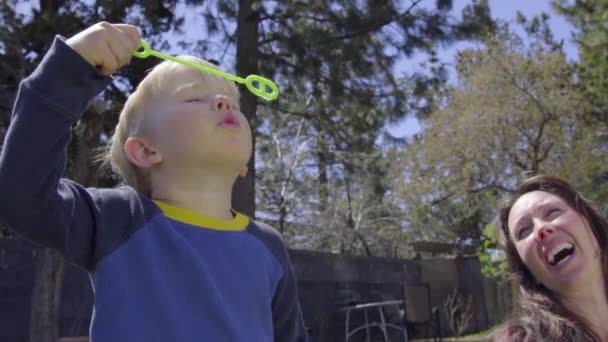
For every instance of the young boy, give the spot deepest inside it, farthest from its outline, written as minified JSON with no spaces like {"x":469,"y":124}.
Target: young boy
{"x":167,"y":257}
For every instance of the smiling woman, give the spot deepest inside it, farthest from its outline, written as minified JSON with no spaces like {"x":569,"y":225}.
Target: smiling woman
{"x":556,"y":246}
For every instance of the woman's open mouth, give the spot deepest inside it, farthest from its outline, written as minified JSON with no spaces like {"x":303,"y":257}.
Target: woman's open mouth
{"x":560,"y":253}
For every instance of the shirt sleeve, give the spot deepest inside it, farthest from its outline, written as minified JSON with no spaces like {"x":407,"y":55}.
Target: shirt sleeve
{"x":36,"y":202}
{"x":287,"y":316}
{"x":286,"y":311}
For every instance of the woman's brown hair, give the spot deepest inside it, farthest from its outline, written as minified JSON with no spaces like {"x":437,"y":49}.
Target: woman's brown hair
{"x":539,"y":315}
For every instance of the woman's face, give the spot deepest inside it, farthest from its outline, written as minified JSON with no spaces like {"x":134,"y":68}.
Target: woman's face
{"x":555,"y":242}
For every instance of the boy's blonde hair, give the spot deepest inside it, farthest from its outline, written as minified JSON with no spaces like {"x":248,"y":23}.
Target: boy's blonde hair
{"x":133,"y":113}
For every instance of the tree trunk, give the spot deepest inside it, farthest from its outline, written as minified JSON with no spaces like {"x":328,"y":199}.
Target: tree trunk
{"x":50,"y":6}
{"x":282,"y":216}
{"x":323,"y":180}
{"x":243,"y":193}
{"x":46,"y":296}
{"x":351,"y":220}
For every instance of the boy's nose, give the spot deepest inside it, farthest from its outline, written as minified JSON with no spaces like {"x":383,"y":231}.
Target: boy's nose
{"x":544,"y":232}
{"x":221,"y":102}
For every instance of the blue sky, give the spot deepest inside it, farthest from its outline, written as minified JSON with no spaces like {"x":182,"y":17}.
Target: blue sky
{"x":505,"y":10}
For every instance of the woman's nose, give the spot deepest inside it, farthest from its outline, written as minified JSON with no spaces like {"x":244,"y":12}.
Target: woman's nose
{"x":544,"y":232}
{"x":221,"y":103}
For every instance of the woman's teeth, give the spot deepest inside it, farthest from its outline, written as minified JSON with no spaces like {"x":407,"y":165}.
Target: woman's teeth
{"x":560,"y":252}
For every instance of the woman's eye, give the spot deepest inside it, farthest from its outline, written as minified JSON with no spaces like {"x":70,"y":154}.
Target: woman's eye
{"x":523,"y":232}
{"x":194,"y":100}
{"x":553,"y":212}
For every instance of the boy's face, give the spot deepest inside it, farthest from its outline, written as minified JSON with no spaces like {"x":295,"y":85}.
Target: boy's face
{"x":193,"y":123}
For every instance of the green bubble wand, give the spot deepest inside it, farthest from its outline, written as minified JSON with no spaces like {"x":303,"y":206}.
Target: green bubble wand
{"x":256,"y":84}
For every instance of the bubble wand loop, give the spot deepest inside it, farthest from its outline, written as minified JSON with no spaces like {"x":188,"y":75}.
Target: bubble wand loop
{"x":263,"y":84}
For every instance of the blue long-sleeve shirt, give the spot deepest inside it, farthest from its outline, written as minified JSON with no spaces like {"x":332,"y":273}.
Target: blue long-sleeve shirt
{"x":159,"y":272}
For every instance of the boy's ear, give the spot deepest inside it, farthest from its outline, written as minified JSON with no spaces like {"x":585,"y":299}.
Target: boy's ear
{"x":142,"y":153}
{"x":243,"y":172}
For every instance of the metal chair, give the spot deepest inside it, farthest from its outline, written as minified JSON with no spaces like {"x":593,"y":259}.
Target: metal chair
{"x":383,"y":324}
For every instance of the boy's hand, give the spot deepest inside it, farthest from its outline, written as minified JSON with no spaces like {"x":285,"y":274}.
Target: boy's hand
{"x":106,"y":46}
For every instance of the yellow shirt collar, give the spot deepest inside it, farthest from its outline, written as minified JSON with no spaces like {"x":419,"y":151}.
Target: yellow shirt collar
{"x":239,"y":222}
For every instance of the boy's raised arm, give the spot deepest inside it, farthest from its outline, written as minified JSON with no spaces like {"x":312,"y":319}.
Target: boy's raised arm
{"x":35,"y":201}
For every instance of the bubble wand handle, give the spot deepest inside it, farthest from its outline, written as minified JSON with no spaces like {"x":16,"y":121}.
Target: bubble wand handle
{"x":256,"y":84}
